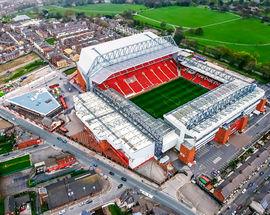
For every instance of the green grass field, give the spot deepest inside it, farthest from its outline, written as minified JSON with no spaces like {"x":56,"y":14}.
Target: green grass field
{"x":50,"y":40}
{"x":219,"y":28}
{"x":184,"y":16}
{"x":168,"y":97}
{"x":94,"y":9}
{"x":6,"y":143}
{"x":70,"y":71}
{"x":115,"y":210}
{"x":243,"y":35}
{"x":25,"y":70}
{"x":15,"y":165}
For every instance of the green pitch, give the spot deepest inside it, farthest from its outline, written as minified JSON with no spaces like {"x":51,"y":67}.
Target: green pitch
{"x":15,"y":165}
{"x":94,"y":9}
{"x":168,"y":97}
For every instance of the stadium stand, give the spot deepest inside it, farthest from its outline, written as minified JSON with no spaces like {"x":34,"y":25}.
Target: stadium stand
{"x":200,"y":79}
{"x":142,"y":78}
{"x":116,"y":70}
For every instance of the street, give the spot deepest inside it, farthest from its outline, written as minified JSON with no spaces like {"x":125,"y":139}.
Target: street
{"x":244,"y":199}
{"x":84,"y":158}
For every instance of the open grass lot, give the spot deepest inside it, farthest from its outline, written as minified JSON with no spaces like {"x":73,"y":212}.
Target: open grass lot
{"x":70,"y":71}
{"x":243,"y":35}
{"x":94,"y":9}
{"x":6,"y":143}
{"x":168,"y":97}
{"x":184,"y":16}
{"x":25,"y":70}
{"x":115,"y":210}
{"x":21,"y":60}
{"x":51,"y":40}
{"x":15,"y":165}
{"x":226,"y":29}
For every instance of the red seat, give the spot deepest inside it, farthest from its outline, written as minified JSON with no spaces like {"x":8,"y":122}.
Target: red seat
{"x":144,"y":76}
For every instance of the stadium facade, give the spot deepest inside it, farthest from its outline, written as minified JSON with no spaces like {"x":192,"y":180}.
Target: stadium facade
{"x":114,"y":71}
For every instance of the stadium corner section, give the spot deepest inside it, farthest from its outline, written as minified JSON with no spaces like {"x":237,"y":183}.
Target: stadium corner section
{"x":131,"y":65}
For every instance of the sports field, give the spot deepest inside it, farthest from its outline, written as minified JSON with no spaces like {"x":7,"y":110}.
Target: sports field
{"x":226,"y":29}
{"x":168,"y":97}
{"x":184,"y":16}
{"x":15,"y":165}
{"x":94,"y":9}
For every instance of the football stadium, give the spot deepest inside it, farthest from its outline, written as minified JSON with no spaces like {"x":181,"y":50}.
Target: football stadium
{"x":144,"y":96}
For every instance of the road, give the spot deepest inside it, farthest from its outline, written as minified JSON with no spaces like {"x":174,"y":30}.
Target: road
{"x":244,"y":199}
{"x":85,"y":159}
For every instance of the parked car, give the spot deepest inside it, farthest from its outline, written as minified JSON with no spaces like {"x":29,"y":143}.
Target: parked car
{"x":111,"y":173}
{"x":239,"y":207}
{"x":62,"y":212}
{"x":95,"y":165}
{"x":89,"y":201}
{"x":120,"y":185}
{"x":250,"y":184}
{"x":244,"y":190}
{"x":62,"y":140}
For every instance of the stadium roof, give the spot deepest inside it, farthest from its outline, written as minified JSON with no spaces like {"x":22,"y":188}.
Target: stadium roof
{"x":207,"y":112}
{"x":39,"y":101}
{"x":19,"y":18}
{"x":99,"y":61}
{"x":107,"y":124}
{"x":156,"y":127}
{"x":207,"y":70}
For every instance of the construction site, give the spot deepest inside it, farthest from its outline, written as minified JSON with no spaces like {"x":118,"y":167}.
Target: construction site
{"x":125,"y":84}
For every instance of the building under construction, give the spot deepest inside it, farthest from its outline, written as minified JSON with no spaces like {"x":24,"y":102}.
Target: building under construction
{"x":117,"y":70}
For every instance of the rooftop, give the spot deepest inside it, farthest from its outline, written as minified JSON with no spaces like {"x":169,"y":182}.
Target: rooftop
{"x":19,"y":18}
{"x":108,"y":124}
{"x":102,"y":60}
{"x":244,"y":171}
{"x":207,"y":112}
{"x":39,"y":101}
{"x":63,"y":192}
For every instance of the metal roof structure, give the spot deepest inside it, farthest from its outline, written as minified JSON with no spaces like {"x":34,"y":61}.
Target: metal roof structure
{"x":199,"y":119}
{"x":39,"y":101}
{"x":108,"y":124}
{"x":154,"y":128}
{"x":209,"y":104}
{"x":19,"y":18}
{"x":100,"y":61}
{"x":205,"y":69}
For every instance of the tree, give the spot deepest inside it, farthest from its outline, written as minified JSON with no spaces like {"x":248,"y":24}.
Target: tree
{"x":178,"y":35}
{"x":80,"y":15}
{"x":198,"y":31}
{"x":163,"y":25}
{"x":128,"y":14}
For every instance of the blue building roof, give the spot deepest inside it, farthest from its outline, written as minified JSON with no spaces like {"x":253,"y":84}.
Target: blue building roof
{"x":39,"y":101}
